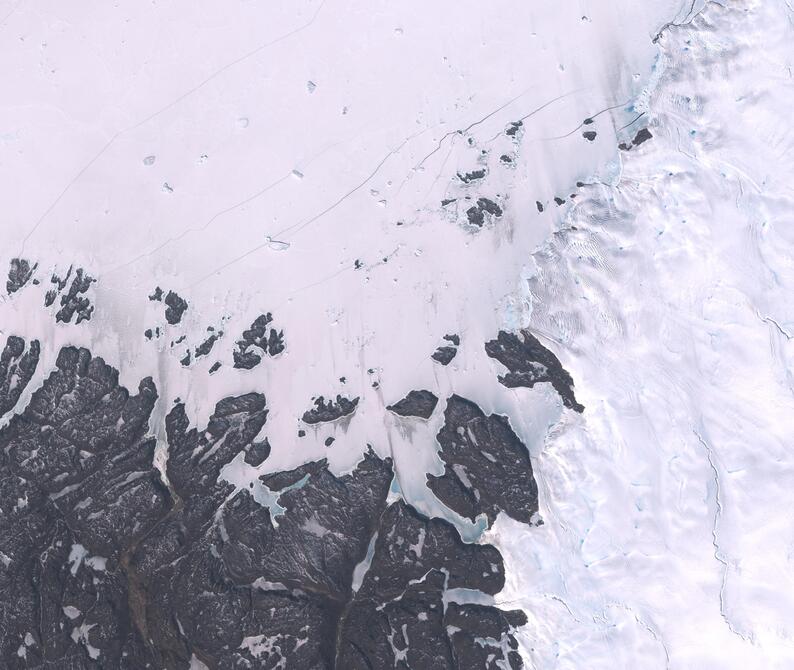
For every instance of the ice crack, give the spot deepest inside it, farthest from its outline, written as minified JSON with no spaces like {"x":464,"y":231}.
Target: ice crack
{"x":718,"y":554}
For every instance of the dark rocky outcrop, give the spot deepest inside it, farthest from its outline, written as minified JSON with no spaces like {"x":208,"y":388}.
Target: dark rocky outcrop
{"x":453,"y":338}
{"x":77,"y":490}
{"x":175,"y":308}
{"x":330,"y":410}
{"x":474,"y":175}
{"x":416,"y":403}
{"x":513,"y":128}
{"x":478,"y":632}
{"x":444,"y":355}
{"x":397,"y":618}
{"x":643,"y":135}
{"x":206,"y":346}
{"x":260,"y":336}
{"x":486,"y":466}
{"x":105,"y":563}
{"x":530,"y":363}
{"x":74,"y":301}
{"x":476,"y":213}
{"x":16,"y":370}
{"x":19,"y":273}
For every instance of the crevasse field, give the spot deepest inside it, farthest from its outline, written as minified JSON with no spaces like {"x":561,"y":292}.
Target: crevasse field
{"x":395,"y":185}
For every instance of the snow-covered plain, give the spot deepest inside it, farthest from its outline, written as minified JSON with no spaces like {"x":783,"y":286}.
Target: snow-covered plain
{"x":331,"y":129}
{"x":248,"y":155}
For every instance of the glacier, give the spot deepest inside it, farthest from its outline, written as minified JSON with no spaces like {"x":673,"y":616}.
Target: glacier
{"x":290,"y":221}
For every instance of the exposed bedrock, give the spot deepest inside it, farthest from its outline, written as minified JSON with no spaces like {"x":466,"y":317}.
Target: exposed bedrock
{"x":176,"y":306}
{"x":330,"y":410}
{"x":18,"y":362}
{"x":486,"y":466}
{"x":257,"y":341}
{"x":20,"y":273}
{"x":417,"y":403}
{"x":528,"y":363}
{"x":105,"y":564}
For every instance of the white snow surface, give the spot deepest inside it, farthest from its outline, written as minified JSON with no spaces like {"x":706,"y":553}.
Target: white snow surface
{"x":247,"y":154}
{"x":111,"y":102}
{"x":668,"y":539}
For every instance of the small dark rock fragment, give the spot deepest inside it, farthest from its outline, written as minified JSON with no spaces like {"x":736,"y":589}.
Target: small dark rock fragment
{"x":559,"y":201}
{"x":513,"y":128}
{"x":215,"y":367}
{"x":454,"y":338}
{"x":539,"y":205}
{"x":259,"y":336}
{"x":643,"y":135}
{"x":157,"y":295}
{"x":475,"y":216}
{"x":416,"y":403}
{"x":468,"y":177}
{"x":444,"y":355}
{"x":489,"y":206}
{"x":275,"y":342}
{"x":19,"y":274}
{"x":175,"y":308}
{"x":74,"y":302}
{"x":329,"y":441}
{"x":476,"y":213}
{"x":589,"y":135}
{"x":330,"y":410}
{"x":206,"y":346}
